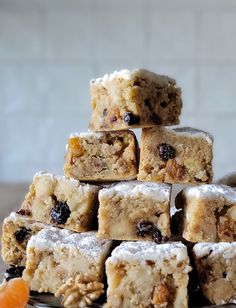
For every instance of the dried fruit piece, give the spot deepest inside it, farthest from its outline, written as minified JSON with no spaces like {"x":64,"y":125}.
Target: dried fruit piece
{"x":104,"y":113}
{"x":14,"y":293}
{"x":166,"y":151}
{"x":161,"y":295}
{"x":24,"y":212}
{"x":113,"y":119}
{"x":76,"y":146}
{"x":13,"y":272}
{"x":80,"y":292}
{"x":131,"y":119}
{"x":144,"y":228}
{"x":156,"y":119}
{"x":163,"y":104}
{"x":174,"y":170}
{"x":157,"y":236}
{"x":22,"y":234}
{"x":60,"y":213}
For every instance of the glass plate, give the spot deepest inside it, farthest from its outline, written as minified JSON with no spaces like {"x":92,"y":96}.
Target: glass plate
{"x":48,"y":300}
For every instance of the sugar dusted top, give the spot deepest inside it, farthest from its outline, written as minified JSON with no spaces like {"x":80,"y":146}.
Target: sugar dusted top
{"x":147,"y":250}
{"x":160,"y":192}
{"x":14,"y":217}
{"x":228,"y":250}
{"x":61,"y":178}
{"x":87,"y":135}
{"x":193,"y":132}
{"x":51,"y":238}
{"x":130,"y":75}
{"x":211,"y":191}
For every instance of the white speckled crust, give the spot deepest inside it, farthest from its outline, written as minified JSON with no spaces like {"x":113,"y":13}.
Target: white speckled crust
{"x":15,"y":217}
{"x":86,"y":135}
{"x":88,"y":243}
{"x":194,"y":133}
{"x":147,"y":250}
{"x":156,"y":191}
{"x":227,"y":250}
{"x":71,"y":181}
{"x":212,"y":191}
{"x":129,"y":75}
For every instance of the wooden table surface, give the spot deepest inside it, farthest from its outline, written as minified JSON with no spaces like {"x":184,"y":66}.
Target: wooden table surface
{"x":11,"y":196}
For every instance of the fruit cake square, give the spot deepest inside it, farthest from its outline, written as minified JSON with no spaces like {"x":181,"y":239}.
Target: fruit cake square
{"x":16,"y":232}
{"x":216,"y":267}
{"x":181,"y":155}
{"x":137,"y":98}
{"x":145,"y":274}
{"x":62,"y":201}
{"x":208,"y":213}
{"x":135,"y":211}
{"x":105,"y":156}
{"x":54,"y":255}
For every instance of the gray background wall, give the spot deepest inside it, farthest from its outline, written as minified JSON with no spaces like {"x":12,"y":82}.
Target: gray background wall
{"x":50,"y":49}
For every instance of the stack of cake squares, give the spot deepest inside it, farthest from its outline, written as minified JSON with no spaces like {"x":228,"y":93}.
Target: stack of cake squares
{"x":65,"y":238}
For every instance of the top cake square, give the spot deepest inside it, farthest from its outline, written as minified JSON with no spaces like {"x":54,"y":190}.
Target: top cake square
{"x":137,"y":98}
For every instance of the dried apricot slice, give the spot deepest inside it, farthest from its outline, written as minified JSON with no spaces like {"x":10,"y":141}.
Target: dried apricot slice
{"x":14,"y":294}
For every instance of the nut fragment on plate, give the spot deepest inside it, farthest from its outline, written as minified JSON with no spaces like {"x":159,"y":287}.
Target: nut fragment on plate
{"x":80,"y":292}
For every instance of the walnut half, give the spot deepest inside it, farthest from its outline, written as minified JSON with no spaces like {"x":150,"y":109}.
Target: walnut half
{"x":160,"y":295}
{"x":80,"y":292}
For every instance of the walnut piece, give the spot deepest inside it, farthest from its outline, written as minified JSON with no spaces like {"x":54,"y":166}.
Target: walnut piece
{"x":174,"y":170}
{"x":160,"y":296}
{"x":80,"y":292}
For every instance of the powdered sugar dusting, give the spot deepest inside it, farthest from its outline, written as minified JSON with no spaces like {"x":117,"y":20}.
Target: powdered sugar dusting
{"x":87,"y":243}
{"x":193,"y":132}
{"x":61,"y":178}
{"x":159,"y":192}
{"x":147,"y":250}
{"x":14,"y":217}
{"x":211,"y":191}
{"x":130,"y":75}
{"x":227,"y":250}
{"x":86,"y":135}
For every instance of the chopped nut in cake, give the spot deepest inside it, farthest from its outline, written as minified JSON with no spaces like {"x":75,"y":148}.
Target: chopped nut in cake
{"x":54,"y":255}
{"x":105,"y":156}
{"x":209,"y":213}
{"x":79,"y":292}
{"x":145,"y":274}
{"x":181,"y":155}
{"x":137,"y":98}
{"x":135,"y":211}
{"x":62,"y":201}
